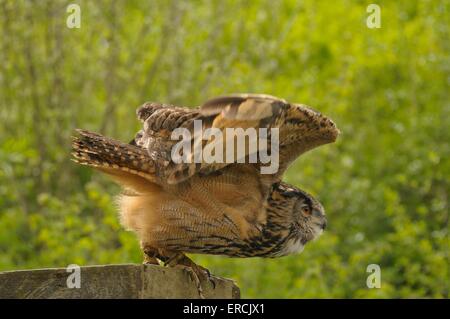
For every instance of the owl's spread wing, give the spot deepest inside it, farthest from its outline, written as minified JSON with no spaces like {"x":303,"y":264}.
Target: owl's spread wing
{"x":299,"y":129}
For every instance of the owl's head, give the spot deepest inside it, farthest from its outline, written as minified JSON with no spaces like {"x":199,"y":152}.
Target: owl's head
{"x":308,"y":219}
{"x":310,"y":215}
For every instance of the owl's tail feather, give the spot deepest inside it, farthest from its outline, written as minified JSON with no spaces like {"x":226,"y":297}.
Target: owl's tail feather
{"x":112,"y":157}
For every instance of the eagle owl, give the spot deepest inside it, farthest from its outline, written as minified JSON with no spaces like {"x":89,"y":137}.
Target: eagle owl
{"x":222,"y":208}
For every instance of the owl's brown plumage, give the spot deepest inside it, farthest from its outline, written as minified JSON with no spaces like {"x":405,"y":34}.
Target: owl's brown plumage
{"x":213,"y":208}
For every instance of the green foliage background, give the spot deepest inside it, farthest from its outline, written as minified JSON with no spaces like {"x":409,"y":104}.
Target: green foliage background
{"x":385,"y":183}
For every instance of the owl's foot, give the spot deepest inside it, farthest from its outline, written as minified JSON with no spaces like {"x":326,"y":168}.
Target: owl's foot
{"x":150,"y":261}
{"x":150,"y":256}
{"x":198,"y":274}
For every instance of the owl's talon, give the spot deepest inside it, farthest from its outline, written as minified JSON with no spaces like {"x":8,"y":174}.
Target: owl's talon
{"x":195,"y":278}
{"x":213,"y":282}
{"x":149,"y":256}
{"x":210,"y":277}
{"x":198,"y":273}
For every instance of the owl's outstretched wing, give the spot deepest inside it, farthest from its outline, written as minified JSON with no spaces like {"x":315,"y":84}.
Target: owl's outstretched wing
{"x":127,"y":164}
{"x":299,"y":130}
{"x":299,"y":127}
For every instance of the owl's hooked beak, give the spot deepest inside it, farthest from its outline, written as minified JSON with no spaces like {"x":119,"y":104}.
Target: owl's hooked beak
{"x":320,"y":222}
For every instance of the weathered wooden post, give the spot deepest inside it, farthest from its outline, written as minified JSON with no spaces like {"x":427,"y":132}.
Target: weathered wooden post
{"x":110,"y":281}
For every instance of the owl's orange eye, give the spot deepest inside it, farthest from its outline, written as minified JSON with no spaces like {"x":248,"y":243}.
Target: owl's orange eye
{"x":306,"y":210}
